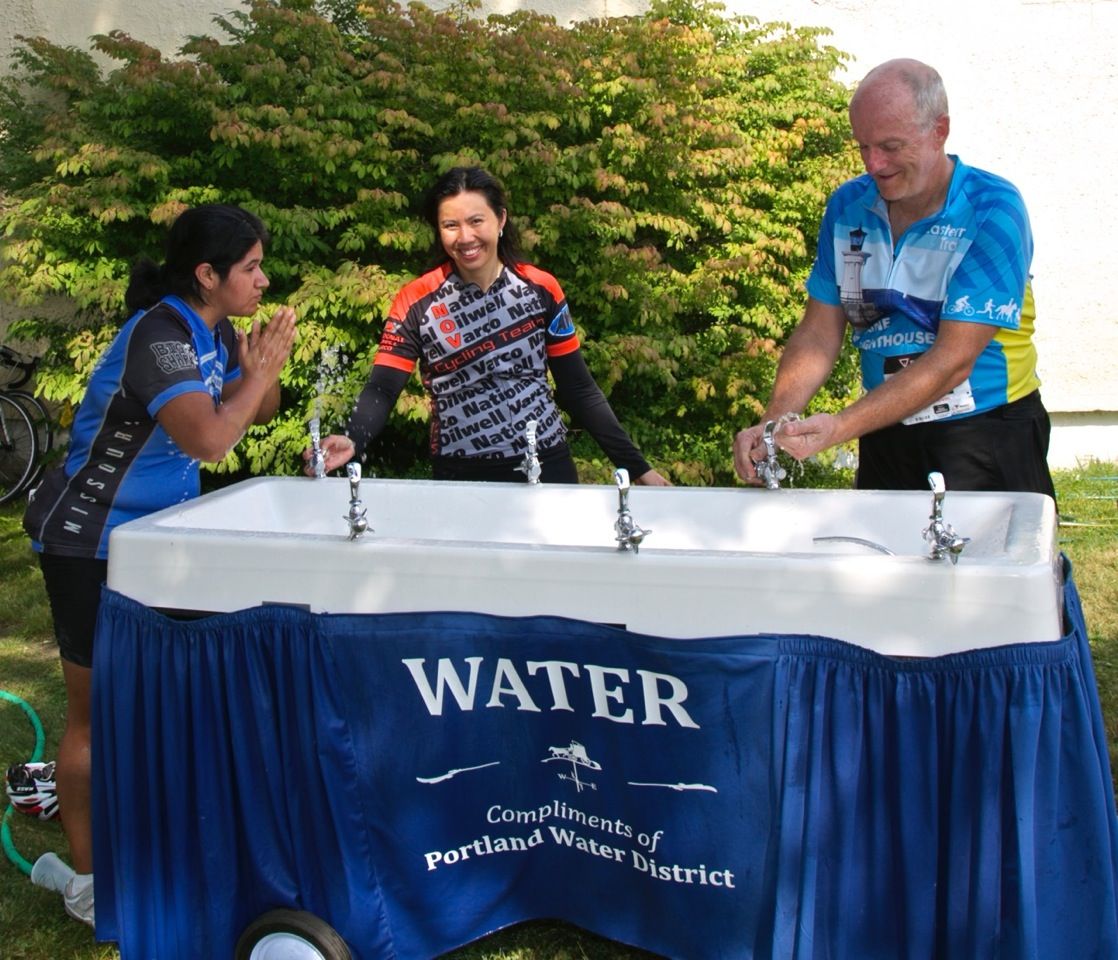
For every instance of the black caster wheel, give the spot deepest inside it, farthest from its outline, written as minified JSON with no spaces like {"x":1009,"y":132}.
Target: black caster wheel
{"x":290,"y":935}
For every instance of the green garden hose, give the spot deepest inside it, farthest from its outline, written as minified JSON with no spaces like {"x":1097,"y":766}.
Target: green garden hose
{"x":36,"y":755}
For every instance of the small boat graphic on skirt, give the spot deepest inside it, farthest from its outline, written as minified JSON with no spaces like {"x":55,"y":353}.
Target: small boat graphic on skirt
{"x":576,"y":756}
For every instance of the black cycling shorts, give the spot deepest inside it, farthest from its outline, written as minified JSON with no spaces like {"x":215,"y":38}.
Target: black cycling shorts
{"x":1002,"y":449}
{"x":556,"y":466}
{"x":74,"y":590}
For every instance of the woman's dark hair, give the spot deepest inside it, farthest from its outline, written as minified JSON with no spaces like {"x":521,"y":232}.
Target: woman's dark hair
{"x":475,"y":179}
{"x":214,"y":233}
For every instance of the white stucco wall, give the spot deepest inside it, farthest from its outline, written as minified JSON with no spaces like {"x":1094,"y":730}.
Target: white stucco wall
{"x":165,"y":24}
{"x":1033,"y":88}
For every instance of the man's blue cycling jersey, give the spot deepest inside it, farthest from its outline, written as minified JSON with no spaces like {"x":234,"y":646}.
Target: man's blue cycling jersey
{"x":969,"y":262}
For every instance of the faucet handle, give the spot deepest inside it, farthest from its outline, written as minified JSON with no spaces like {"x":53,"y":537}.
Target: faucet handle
{"x":530,"y":466}
{"x":769,"y":469}
{"x":356,"y":518}
{"x":358,"y":522}
{"x":621,"y":478}
{"x":353,"y":473}
{"x":941,"y":536}
{"x":768,"y":437}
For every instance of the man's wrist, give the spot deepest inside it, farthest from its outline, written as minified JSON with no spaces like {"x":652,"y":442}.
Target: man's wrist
{"x":777,"y":412}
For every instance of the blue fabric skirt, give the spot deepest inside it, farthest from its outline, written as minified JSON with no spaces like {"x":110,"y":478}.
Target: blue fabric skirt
{"x":421,"y":780}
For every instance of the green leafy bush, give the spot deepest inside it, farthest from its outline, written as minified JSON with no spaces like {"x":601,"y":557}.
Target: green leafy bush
{"x":668,"y":168}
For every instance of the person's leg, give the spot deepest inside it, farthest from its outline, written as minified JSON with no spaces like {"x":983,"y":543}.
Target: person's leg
{"x":891,"y":459}
{"x":74,"y":590}
{"x":558,"y":467}
{"x":1005,"y":449}
{"x":1023,"y":446}
{"x":72,"y":770}
{"x":476,"y":469}
{"x":966,"y":453}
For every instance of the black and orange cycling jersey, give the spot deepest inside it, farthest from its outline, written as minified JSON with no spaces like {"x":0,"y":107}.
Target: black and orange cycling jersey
{"x":482,"y":356}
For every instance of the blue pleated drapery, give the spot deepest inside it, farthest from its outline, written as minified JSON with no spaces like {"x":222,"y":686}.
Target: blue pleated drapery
{"x":422,"y":780}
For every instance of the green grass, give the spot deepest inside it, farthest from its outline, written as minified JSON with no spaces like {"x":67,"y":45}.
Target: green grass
{"x":1089,"y":536}
{"x":33,"y":923}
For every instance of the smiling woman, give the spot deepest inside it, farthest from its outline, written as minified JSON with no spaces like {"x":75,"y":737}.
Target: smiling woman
{"x":486,"y":330}
{"x":470,"y":231}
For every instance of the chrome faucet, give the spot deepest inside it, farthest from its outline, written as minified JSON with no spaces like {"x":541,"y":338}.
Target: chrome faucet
{"x":531,"y":465}
{"x":358,"y":523}
{"x":770,"y":469}
{"x":318,"y":458}
{"x":942,"y":538}
{"x":629,"y":535}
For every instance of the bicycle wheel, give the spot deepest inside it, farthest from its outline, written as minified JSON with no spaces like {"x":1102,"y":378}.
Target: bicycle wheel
{"x":16,"y":370}
{"x":19,"y":448}
{"x":44,"y":429}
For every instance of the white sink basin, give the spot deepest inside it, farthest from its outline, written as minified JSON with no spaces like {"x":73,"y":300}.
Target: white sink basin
{"x":718,"y":561}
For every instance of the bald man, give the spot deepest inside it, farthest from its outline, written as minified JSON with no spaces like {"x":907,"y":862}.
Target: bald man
{"x":927,"y":261}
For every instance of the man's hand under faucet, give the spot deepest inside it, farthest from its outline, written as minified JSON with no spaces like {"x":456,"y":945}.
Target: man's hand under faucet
{"x":807,"y":437}
{"x":800,"y":438}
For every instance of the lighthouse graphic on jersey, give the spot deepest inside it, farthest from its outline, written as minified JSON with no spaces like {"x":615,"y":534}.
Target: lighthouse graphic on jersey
{"x":860,"y":312}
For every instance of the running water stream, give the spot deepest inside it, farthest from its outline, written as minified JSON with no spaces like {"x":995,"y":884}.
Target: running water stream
{"x":329,"y":376}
